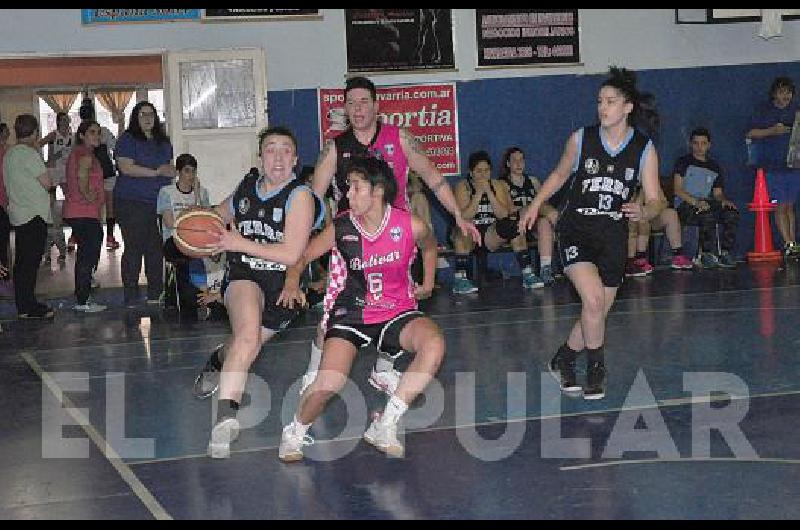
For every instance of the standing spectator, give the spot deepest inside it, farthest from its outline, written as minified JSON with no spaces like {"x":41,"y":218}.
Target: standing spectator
{"x":82,"y":205}
{"x":144,"y":159}
{"x":27,"y":183}
{"x":105,"y":154}
{"x":769,"y":132}
{"x":700,"y":197}
{"x":6,"y":288}
{"x":59,"y":144}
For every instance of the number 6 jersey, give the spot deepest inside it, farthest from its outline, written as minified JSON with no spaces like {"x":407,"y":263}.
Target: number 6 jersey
{"x":369,"y":274}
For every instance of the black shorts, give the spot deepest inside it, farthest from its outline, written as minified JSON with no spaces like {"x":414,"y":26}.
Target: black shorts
{"x":385,"y":335}
{"x":599,"y":241}
{"x":274,"y":317}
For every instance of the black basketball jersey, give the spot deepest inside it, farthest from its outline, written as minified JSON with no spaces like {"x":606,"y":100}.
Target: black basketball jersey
{"x":263,"y":220}
{"x":348,"y":148}
{"x":484,"y":215}
{"x":523,"y":195}
{"x":604,"y":181}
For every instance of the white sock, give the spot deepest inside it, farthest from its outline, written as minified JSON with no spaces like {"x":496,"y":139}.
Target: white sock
{"x":383,"y":364}
{"x":395,"y":408}
{"x":527,"y":270}
{"x":315,"y":358}
{"x":545,"y":261}
{"x":300,"y":428}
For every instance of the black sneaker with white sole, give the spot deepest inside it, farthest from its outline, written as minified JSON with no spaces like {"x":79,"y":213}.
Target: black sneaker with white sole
{"x":563,"y":370}
{"x":595,"y":381}
{"x":207,"y":381}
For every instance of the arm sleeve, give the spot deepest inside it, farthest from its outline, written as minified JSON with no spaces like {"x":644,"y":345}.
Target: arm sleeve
{"x":164,"y":201}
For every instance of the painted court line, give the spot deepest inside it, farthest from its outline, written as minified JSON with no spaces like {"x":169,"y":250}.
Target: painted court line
{"x":113,"y":458}
{"x":472,"y":325}
{"x":679,"y":460}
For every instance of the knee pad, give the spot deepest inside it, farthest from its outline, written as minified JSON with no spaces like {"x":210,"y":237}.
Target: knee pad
{"x":507,"y":228}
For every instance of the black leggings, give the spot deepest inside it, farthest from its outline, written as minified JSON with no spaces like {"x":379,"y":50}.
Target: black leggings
{"x":707,"y":220}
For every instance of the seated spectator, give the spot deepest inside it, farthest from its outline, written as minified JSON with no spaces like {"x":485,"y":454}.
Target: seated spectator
{"x":523,"y":189}
{"x":487,"y":203}
{"x":206,"y":275}
{"x":416,"y":196}
{"x":422,"y":209}
{"x":184,"y":194}
{"x":315,"y":277}
{"x":639,"y":236}
{"x":701,"y":201}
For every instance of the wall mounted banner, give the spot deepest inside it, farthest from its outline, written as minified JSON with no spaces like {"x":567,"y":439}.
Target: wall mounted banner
{"x":237,"y":15}
{"x":429,"y":112}
{"x":527,"y":37}
{"x":114,"y":16}
{"x":380,"y":40}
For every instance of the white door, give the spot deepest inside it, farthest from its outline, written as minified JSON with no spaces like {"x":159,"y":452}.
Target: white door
{"x":216,"y":107}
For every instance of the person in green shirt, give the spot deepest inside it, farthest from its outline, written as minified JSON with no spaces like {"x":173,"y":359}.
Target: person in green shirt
{"x":27,"y":183}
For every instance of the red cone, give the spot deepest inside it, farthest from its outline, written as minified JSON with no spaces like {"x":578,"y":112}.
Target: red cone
{"x":764,"y":251}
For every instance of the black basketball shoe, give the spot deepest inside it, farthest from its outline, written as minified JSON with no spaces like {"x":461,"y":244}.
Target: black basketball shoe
{"x":562,"y":368}
{"x":207,"y":381}
{"x":595,"y":381}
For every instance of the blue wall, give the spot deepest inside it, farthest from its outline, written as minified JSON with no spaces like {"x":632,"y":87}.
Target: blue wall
{"x":538,"y":113}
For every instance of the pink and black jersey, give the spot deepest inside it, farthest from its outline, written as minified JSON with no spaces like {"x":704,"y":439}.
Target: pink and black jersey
{"x":370,"y":278}
{"x":385,"y":145}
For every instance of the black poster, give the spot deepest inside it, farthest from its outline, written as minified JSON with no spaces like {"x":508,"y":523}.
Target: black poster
{"x":258,"y":14}
{"x":399,"y":39}
{"x":525,"y":37}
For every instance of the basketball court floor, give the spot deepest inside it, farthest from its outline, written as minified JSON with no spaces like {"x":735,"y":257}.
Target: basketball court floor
{"x":700,"y":418}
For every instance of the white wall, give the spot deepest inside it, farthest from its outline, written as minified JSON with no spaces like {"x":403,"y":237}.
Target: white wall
{"x":307,"y":54}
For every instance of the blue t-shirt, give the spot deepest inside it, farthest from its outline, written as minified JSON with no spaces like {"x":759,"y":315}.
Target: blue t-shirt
{"x":145,"y":153}
{"x":700,"y":177}
{"x":771,"y":152}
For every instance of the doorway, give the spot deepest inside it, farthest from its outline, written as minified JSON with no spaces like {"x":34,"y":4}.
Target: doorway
{"x":24,"y":81}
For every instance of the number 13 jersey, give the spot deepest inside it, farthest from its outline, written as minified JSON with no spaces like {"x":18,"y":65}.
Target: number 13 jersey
{"x":605,"y":179}
{"x":370,"y":274}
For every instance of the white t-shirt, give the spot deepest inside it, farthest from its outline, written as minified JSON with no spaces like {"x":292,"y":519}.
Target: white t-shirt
{"x":58,"y":155}
{"x":171,"y":199}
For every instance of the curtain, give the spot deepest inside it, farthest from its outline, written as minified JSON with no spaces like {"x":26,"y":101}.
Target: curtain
{"x":59,"y":102}
{"x":115,"y":102}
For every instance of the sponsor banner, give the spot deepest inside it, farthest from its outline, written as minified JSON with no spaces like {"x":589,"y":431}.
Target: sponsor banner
{"x":428,"y":111}
{"x":527,"y":37}
{"x":114,"y":16}
{"x":237,"y":15}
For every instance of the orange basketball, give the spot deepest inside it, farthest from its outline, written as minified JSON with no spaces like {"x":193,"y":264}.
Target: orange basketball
{"x":195,"y":232}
